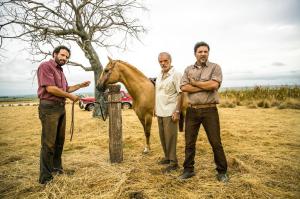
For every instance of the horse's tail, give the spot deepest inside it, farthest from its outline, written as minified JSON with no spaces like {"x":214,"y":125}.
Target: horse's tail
{"x":181,"y":122}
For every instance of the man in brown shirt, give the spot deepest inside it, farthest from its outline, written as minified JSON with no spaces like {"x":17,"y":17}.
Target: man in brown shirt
{"x":201,"y":81}
{"x":52,"y":91}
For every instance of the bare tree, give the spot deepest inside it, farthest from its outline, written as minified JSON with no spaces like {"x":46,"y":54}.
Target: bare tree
{"x":86,"y":23}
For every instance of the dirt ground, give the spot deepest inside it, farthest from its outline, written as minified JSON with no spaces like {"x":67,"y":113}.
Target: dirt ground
{"x":262,"y":148}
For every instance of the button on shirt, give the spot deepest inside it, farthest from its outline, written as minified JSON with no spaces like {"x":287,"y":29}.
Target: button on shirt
{"x":51,"y":74}
{"x":210,"y":71}
{"x":166,"y":92}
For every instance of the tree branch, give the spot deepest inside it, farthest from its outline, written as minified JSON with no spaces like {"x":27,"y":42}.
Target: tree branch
{"x":103,"y":23}
{"x":77,"y":64}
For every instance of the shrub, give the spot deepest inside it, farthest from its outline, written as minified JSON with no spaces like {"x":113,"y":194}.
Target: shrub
{"x":266,"y":96}
{"x":252,"y":105}
{"x":275,"y":103}
{"x":290,"y":103}
{"x":264,"y":104}
{"x":227,"y":104}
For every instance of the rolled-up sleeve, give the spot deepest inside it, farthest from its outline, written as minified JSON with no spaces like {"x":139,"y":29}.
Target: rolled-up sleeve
{"x":184,"y":80}
{"x":177,"y":80}
{"x":217,"y":74}
{"x":46,"y":76}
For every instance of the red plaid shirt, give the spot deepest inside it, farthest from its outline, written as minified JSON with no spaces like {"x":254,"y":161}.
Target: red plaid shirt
{"x":51,"y":74}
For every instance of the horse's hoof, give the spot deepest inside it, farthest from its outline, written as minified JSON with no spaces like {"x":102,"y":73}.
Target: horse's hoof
{"x":146,"y":150}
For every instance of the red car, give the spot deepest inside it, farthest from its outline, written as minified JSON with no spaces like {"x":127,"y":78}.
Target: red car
{"x":88,"y":103}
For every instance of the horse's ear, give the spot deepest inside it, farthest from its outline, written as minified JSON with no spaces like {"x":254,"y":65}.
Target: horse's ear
{"x":110,"y":59}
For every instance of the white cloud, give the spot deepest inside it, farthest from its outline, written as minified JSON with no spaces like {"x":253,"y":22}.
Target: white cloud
{"x":254,"y":41}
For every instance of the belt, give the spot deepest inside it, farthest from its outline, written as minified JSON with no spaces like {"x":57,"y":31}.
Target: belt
{"x":202,"y":105}
{"x":52,"y":102}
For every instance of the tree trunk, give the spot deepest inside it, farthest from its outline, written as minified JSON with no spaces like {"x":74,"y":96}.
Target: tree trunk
{"x":97,"y":67}
{"x":99,"y":98}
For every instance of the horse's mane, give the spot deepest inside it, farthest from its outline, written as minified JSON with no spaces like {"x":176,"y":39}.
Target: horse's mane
{"x":132,"y":67}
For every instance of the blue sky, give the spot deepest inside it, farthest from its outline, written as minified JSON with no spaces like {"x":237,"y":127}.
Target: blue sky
{"x":256,"y":42}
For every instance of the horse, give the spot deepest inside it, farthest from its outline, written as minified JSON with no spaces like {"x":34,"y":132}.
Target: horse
{"x":138,"y":86}
{"x":141,"y":89}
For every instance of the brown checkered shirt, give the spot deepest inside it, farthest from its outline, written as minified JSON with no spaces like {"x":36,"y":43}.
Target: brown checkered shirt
{"x":211,"y":71}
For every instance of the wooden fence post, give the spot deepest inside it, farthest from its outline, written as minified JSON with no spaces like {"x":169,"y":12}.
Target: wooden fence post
{"x":115,"y":124}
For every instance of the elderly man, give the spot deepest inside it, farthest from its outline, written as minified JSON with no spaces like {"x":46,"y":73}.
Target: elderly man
{"x":167,"y":109}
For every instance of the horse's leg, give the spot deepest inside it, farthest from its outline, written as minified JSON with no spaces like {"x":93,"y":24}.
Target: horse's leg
{"x":146,"y":121}
{"x":147,"y":130}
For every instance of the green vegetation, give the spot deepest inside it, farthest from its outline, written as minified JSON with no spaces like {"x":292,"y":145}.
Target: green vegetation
{"x":16,"y":99}
{"x":264,"y":97}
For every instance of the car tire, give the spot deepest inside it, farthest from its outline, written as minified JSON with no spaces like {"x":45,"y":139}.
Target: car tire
{"x":126,"y":105}
{"x":90,"y":107}
{"x":81,"y":106}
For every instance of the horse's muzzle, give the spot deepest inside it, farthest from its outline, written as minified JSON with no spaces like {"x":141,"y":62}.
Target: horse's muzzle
{"x":101,"y":87}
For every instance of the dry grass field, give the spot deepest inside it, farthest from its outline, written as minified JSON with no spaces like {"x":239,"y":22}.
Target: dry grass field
{"x":262,"y":148}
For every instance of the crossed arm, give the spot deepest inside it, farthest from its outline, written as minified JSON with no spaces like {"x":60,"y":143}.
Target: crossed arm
{"x":196,"y":86}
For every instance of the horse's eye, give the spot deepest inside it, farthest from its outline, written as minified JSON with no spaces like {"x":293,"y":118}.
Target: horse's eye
{"x":106,"y":70}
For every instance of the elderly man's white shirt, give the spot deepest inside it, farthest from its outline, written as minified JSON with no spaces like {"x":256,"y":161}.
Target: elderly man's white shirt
{"x":167,"y":90}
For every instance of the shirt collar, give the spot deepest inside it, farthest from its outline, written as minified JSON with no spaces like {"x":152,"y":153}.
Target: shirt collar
{"x":199,"y":66}
{"x":56,"y":65}
{"x":172,"y":69}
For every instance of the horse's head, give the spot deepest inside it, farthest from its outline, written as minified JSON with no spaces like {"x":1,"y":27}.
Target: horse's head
{"x":110,"y":75}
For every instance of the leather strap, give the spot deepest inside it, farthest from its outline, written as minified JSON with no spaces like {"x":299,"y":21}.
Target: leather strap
{"x":202,"y":105}
{"x":72,"y":122}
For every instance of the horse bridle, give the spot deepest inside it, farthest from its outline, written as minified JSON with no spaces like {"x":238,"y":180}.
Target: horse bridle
{"x":109,"y":72}
{"x":107,"y":76}
{"x":103,"y":114}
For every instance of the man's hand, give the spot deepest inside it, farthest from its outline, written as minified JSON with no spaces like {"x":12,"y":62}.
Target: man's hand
{"x":74,"y":98}
{"x":175,"y":116}
{"x":84,"y":84}
{"x":78,"y":86}
{"x":192,"y":81}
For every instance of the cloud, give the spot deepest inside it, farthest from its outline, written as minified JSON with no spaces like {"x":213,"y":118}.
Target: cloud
{"x":288,"y":75}
{"x":278,"y":64}
{"x":254,"y":41}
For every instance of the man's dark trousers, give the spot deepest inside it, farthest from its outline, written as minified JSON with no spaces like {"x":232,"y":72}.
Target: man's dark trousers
{"x":53,"y":119}
{"x":209,"y":118}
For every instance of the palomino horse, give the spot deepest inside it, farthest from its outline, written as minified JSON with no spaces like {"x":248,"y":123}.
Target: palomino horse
{"x":139,"y":87}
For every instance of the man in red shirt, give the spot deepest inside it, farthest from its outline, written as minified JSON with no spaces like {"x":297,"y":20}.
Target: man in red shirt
{"x":53,"y":89}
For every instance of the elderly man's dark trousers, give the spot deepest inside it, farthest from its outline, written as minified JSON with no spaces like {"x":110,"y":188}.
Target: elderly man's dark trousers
{"x":209,"y":118}
{"x":53,"y":120}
